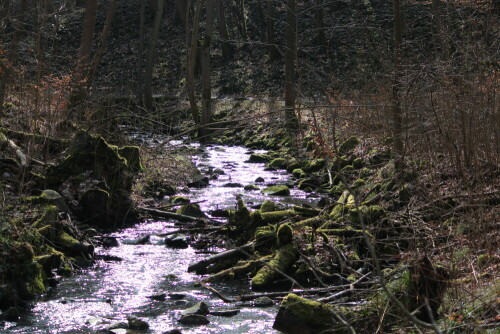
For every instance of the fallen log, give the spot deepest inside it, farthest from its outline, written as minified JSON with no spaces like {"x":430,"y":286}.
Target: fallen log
{"x":4,"y":141}
{"x":169,"y":215}
{"x":283,"y":259}
{"x":202,"y":265}
{"x":239,"y":270}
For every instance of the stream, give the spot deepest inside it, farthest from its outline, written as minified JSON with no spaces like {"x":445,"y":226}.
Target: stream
{"x":119,"y":283}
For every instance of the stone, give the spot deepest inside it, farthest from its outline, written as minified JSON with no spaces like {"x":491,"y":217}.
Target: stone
{"x":233,"y":185}
{"x":117,"y":325}
{"x":199,"y":183}
{"x":278,"y":190}
{"x":176,"y":241}
{"x":225,"y":313}
{"x":194,"y":319}
{"x":260,"y":180}
{"x":136,"y":323}
{"x":198,"y":308}
{"x":278,"y":163}
{"x":132,"y":155}
{"x":285,"y":234}
{"x":12,"y":314}
{"x":94,"y":204}
{"x":173,"y":331}
{"x":263,"y":302}
{"x":192,"y":210}
{"x":268,"y":206}
{"x":259,"y":158}
{"x":251,"y":187}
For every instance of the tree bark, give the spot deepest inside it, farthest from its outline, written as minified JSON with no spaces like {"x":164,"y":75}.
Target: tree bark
{"x":102,"y":43}
{"x":82,"y":66}
{"x":396,"y":86}
{"x":320,"y":25}
{"x":206,"y":83}
{"x":180,"y":11}
{"x":439,"y":36}
{"x":148,"y":71}
{"x":290,"y":58}
{"x":271,"y":44}
{"x":140,"y":59}
{"x":191,"y":49}
{"x":227,"y":49}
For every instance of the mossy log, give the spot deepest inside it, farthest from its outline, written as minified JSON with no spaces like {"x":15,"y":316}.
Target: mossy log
{"x":276,"y":216}
{"x":242,"y":268}
{"x":53,"y":145}
{"x":201,"y":266}
{"x":299,"y":315}
{"x":305,"y":212}
{"x":283,"y":259}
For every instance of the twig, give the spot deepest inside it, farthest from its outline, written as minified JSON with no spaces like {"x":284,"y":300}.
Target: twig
{"x":217,"y":293}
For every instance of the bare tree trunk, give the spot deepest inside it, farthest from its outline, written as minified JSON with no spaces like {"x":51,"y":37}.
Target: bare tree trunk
{"x":243,"y":19}
{"x":396,"y":87}
{"x":320,"y":25}
{"x":290,"y":58}
{"x":206,"y":84}
{"x":102,"y":43}
{"x":271,"y":44}
{"x":148,"y":71}
{"x":180,"y":11}
{"x":439,"y":35}
{"x":6,"y":67}
{"x":191,"y":61}
{"x":140,"y":59}
{"x":82,"y":66}
{"x":227,"y":49}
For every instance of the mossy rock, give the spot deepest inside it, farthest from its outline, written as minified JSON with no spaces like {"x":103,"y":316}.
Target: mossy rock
{"x":265,"y":236}
{"x":276,"y":216}
{"x":348,"y":145}
{"x":278,"y":163}
{"x":49,"y":217}
{"x":50,"y":197}
{"x":300,"y":315}
{"x":251,"y":187}
{"x":278,"y":190}
{"x":192,"y":210}
{"x":299,"y":173}
{"x":285,"y":234}
{"x":133,"y":157}
{"x":358,"y":163}
{"x":268,"y":206}
{"x":259,"y":158}
{"x":315,"y":165}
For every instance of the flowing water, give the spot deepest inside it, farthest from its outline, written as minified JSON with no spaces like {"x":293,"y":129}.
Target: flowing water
{"x":119,"y":284}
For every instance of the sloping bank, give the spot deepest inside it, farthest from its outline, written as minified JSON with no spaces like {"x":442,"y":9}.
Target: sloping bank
{"x":91,"y":185}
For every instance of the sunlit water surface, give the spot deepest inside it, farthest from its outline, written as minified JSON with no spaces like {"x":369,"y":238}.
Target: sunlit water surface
{"x":111,"y":290}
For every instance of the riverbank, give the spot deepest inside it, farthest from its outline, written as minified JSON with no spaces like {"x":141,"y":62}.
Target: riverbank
{"x":363,"y":204}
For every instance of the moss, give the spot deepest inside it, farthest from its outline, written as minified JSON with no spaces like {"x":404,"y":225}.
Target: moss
{"x":279,"y":163}
{"x":370,"y":214}
{"x":345,"y":201}
{"x":35,"y":279}
{"x":348,"y":145}
{"x":365,"y":172}
{"x":268,"y":206}
{"x":283,"y":259}
{"x":179,"y":200}
{"x":358,"y":163}
{"x":285,"y":234}
{"x":315,"y":165}
{"x":313,"y":316}
{"x":299,"y":173}
{"x":191,"y":209}
{"x":275,"y":216}
{"x":359,"y":183}
{"x":278,"y":190}
{"x":49,"y":217}
{"x":132,"y":155}
{"x":255,"y":157}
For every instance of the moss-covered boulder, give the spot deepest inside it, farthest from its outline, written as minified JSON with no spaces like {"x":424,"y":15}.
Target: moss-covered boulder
{"x":315,"y":165}
{"x":95,"y":204}
{"x":268,"y":206}
{"x":133,"y":157}
{"x":91,"y":156}
{"x":192,"y":210}
{"x":259,"y":158}
{"x":299,"y":315}
{"x":278,"y":163}
{"x":283,"y":259}
{"x":299,"y":173}
{"x":49,"y":197}
{"x":285,"y":234}
{"x":278,"y":190}
{"x":348,"y":145}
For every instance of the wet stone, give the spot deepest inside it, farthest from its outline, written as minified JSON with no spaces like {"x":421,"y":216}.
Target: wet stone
{"x":198,"y":308}
{"x":12,"y":314}
{"x":176,"y":296}
{"x":173,"y":331}
{"x":225,"y":313}
{"x":176,"y":241}
{"x":136,"y":323}
{"x":117,"y":325}
{"x":194,"y":319}
{"x":263,"y":302}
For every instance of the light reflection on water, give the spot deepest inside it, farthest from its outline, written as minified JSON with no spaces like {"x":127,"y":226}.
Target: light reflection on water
{"x":109,"y":291}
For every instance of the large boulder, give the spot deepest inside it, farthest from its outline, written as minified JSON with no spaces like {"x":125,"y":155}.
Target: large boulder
{"x":108,"y":203}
